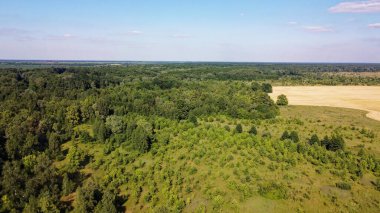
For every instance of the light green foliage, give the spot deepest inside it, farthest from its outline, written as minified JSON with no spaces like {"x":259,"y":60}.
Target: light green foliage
{"x":115,"y":124}
{"x":73,"y":115}
{"x":76,"y":157}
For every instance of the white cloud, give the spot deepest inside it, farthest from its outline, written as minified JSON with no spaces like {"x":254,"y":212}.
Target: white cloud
{"x":374,"y":25}
{"x":317,"y":29}
{"x":369,"y":6}
{"x":67,"y":35}
{"x":135,"y":32}
{"x":242,"y":14}
{"x":292,"y":23}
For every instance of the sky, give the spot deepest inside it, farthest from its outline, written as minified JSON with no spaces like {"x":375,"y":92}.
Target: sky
{"x":191,"y":30}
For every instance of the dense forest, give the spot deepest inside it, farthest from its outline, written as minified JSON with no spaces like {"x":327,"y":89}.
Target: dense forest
{"x":175,"y":137}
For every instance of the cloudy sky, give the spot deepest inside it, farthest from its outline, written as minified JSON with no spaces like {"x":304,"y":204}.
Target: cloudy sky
{"x":191,"y":30}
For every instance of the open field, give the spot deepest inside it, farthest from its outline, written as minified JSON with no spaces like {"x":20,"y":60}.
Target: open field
{"x":355,"y":97}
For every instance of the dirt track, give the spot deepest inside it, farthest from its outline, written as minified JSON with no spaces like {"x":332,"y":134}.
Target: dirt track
{"x":356,"y":97}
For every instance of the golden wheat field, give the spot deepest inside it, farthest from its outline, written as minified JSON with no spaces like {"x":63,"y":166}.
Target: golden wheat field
{"x":355,"y":97}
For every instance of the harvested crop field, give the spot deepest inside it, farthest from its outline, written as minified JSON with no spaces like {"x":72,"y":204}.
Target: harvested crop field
{"x":355,"y":97}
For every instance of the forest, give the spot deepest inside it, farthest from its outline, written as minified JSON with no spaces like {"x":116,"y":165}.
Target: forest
{"x":191,"y":137}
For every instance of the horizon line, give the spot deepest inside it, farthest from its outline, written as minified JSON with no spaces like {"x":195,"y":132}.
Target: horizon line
{"x":179,"y":61}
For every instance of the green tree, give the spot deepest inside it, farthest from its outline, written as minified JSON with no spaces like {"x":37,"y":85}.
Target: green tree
{"x":73,"y":115}
{"x":76,"y":157}
{"x":336,"y":143}
{"x":46,"y":204}
{"x":193,"y":119}
{"x":54,"y":144}
{"x":68,"y":185}
{"x":282,"y":100}
{"x":87,"y":197}
{"x":255,"y":86}
{"x":31,"y":206}
{"x":294,"y":136}
{"x":107,"y":204}
{"x":239,"y":128}
{"x":253,"y":130}
{"x":314,"y":139}
{"x":267,"y":88}
{"x":325,"y":141}
{"x":115,"y":124}
{"x":100,"y":130}
{"x":140,"y":139}
{"x":285,"y":135}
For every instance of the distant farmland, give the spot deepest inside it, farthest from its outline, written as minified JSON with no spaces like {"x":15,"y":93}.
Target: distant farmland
{"x":355,"y":97}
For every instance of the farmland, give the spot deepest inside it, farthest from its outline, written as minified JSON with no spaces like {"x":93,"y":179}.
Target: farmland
{"x":365,"y":98}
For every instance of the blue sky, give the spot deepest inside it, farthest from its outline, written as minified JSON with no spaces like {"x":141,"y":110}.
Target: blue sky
{"x":191,"y":30}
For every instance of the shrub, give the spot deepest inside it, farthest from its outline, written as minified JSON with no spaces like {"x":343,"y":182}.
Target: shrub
{"x":282,"y":100}
{"x":377,"y":185}
{"x":343,"y":185}
{"x":294,"y":136}
{"x":239,"y":128}
{"x":253,"y":130}
{"x":273,"y":191}
{"x":314,"y":139}
{"x":267,"y":88}
{"x":285,"y":135}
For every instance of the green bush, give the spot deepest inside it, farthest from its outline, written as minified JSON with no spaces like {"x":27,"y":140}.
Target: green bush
{"x":239,"y":128}
{"x":343,"y":185}
{"x":282,"y":100}
{"x":273,"y":191}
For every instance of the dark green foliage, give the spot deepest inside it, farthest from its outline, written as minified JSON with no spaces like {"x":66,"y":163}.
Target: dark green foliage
{"x":267,"y":88}
{"x":107,"y":203}
{"x":282,"y":100}
{"x":314,"y":140}
{"x":255,"y":86}
{"x":54,"y":144}
{"x":325,"y":141}
{"x":333,"y":143}
{"x":285,"y":135}
{"x":343,"y":185}
{"x":294,"y":137}
{"x":87,"y":197}
{"x":336,"y":143}
{"x":193,"y":119}
{"x":239,"y":128}
{"x":253,"y":130}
